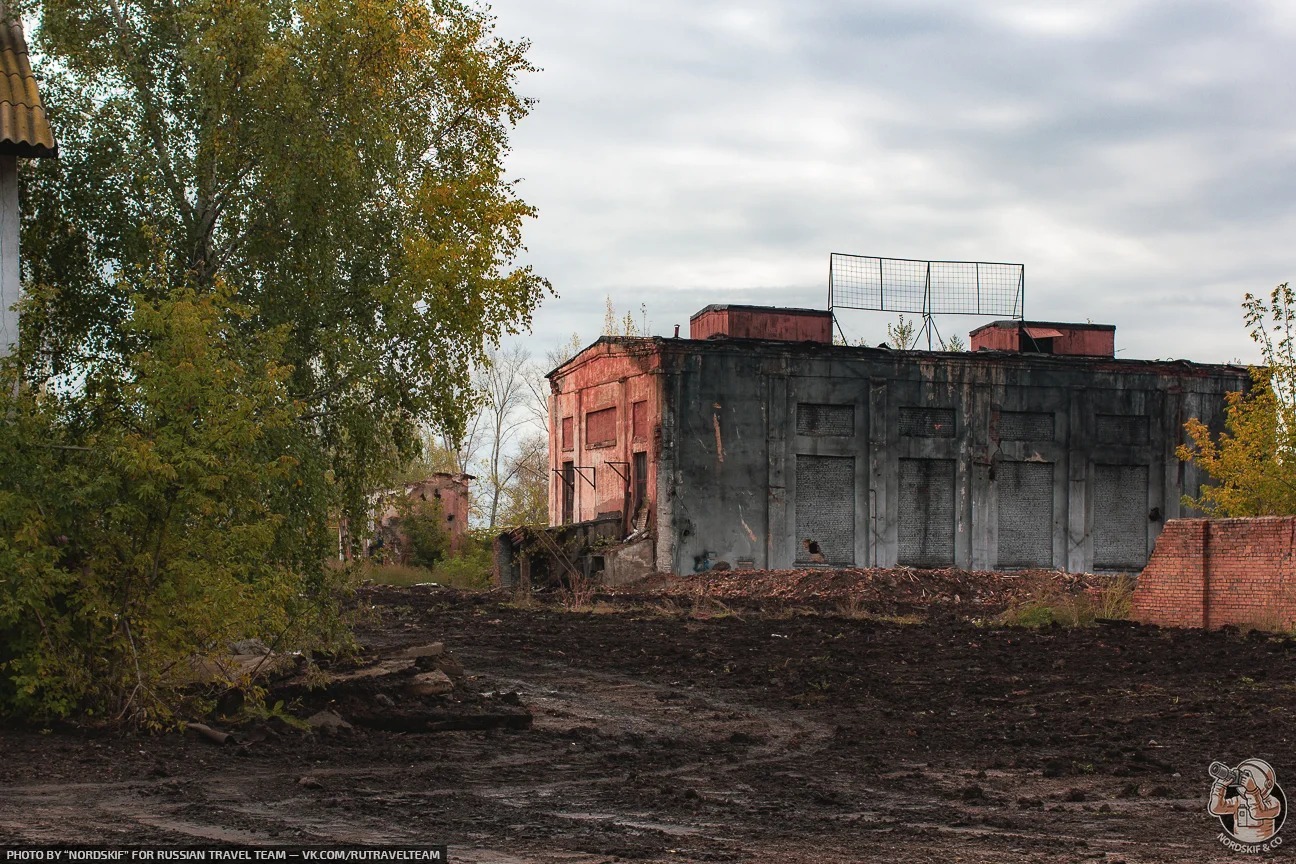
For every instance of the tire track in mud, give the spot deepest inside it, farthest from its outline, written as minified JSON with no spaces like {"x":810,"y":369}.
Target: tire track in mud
{"x":564,"y":697}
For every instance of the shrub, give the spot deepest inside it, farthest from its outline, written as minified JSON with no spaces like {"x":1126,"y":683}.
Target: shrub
{"x":422,"y":524}
{"x":1051,"y":605}
{"x":154,"y":511}
{"x":1115,"y":600}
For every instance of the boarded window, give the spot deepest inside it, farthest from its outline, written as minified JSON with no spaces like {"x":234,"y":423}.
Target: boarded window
{"x":927,"y":512}
{"x":927,"y":422}
{"x":1120,"y":523}
{"x":1121,"y":428}
{"x":639,"y":420}
{"x":825,"y":507}
{"x":1025,"y":493}
{"x":567,"y":433}
{"x":825,"y":420}
{"x":600,"y":428}
{"x":1026,"y":426}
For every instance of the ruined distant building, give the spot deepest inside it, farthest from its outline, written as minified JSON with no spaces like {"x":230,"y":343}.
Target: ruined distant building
{"x":759,"y":443}
{"x":442,"y":495}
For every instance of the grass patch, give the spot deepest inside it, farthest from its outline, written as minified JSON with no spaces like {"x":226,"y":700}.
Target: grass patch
{"x":1270,"y":621}
{"x":1115,"y":600}
{"x":856,"y":610}
{"x":470,"y":571}
{"x":1051,"y":605}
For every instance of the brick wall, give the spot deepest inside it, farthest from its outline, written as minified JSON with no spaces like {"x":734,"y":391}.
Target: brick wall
{"x":1212,"y":572}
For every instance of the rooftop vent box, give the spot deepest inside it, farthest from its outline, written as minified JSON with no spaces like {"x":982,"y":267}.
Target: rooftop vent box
{"x":1046,"y":337}
{"x":762,"y":322}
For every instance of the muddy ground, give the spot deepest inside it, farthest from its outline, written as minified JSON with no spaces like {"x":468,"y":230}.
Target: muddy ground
{"x":675,"y":729}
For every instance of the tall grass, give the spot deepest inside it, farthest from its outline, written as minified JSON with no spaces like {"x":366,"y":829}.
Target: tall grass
{"x":1052,"y":605}
{"x":470,"y":571}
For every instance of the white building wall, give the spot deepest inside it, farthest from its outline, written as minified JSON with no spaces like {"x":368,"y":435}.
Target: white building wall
{"x":10,"y":286}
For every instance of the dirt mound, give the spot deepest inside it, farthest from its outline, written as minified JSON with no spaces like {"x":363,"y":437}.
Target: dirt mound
{"x":895,"y":587}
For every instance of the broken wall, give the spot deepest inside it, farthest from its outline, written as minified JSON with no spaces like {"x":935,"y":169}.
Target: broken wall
{"x":1212,"y":572}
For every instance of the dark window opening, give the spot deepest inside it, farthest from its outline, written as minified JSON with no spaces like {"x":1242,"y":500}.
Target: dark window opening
{"x":568,"y":491}
{"x":825,"y":420}
{"x":640,"y":482}
{"x":927,"y":422}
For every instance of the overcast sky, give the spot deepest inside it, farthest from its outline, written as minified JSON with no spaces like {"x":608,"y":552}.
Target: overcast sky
{"x":1139,"y":158}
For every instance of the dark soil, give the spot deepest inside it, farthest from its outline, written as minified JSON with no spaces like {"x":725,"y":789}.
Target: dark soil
{"x":670,"y":729}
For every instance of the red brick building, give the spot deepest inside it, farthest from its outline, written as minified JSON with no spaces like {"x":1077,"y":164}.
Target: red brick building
{"x":448,"y":491}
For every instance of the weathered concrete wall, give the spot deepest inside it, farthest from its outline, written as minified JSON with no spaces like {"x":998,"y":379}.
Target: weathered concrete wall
{"x":10,"y":284}
{"x":1212,"y":572}
{"x":919,"y":458}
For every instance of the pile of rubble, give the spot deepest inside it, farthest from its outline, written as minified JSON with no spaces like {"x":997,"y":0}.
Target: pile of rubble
{"x":418,"y":689}
{"x":421,"y":688}
{"x":894,"y":586}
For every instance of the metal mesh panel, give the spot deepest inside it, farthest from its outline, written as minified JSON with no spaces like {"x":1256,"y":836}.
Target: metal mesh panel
{"x":940,"y":287}
{"x":825,"y":420}
{"x":1025,"y":492}
{"x":1121,"y":428}
{"x":927,"y":422}
{"x":825,"y":507}
{"x":927,"y":512}
{"x":1120,"y":517}
{"x":1026,"y":426}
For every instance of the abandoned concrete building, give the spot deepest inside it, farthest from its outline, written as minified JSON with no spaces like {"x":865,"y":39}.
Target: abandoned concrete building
{"x":759,"y":443}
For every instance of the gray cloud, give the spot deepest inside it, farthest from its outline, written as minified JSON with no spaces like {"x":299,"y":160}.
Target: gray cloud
{"x":1138,"y":157}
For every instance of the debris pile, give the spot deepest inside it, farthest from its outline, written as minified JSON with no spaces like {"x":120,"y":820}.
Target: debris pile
{"x":421,"y":688}
{"x":974,"y":590}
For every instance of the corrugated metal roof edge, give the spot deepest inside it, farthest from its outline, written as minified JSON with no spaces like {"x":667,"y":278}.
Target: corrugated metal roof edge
{"x":30,"y":151}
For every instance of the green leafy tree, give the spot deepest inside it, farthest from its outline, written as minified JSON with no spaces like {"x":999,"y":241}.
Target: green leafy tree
{"x":1253,"y":462}
{"x":337,"y":163}
{"x":278,"y":238}
{"x":154,"y":516}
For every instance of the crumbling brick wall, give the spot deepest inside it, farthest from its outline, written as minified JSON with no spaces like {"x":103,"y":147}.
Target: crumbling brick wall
{"x":1212,"y":572}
